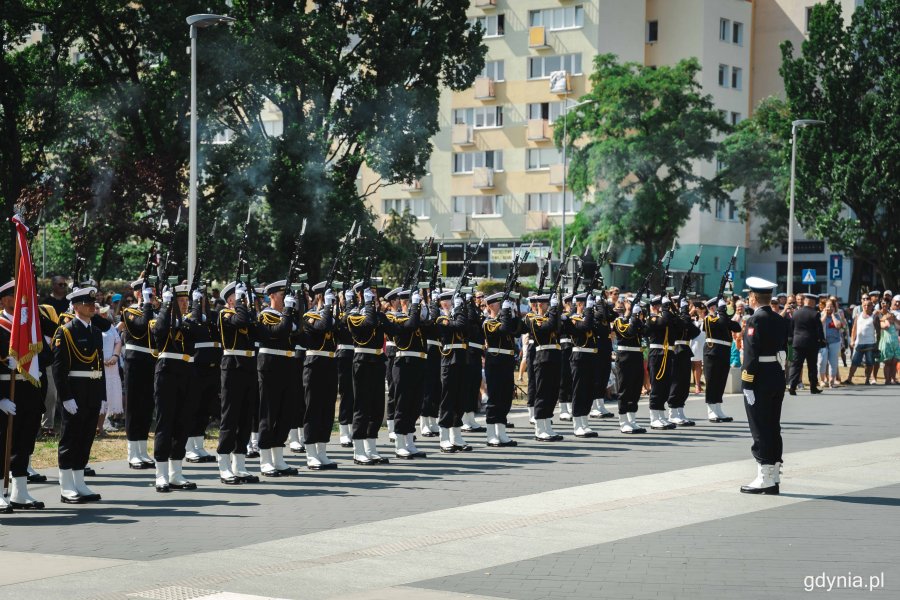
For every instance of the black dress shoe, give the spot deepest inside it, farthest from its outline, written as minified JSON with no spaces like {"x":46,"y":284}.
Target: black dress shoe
{"x":230,"y":480}
{"x":247,"y":478}
{"x":450,"y":450}
{"x":772,"y":490}
{"x":510,"y":425}
{"x":288,"y":472}
{"x":589,"y":434}
{"x":687,"y":423}
{"x":8,"y":509}
{"x":478,"y":429}
{"x":192,"y":460}
{"x":302,"y":450}
{"x":36,"y":478}
{"x":69,"y":500}
{"x":188,"y":485}
{"x":815,"y":391}
{"x":494,"y":445}
{"x":329,"y":466}
{"x":148,"y":464}
{"x":140,"y":466}
{"x":33,"y":505}
{"x":428,"y":434}
{"x":381,"y":461}
{"x":509,"y":444}
{"x":419,"y":454}
{"x":565,"y":418}
{"x":253,"y":454}
{"x":363,"y":461}
{"x":404,"y":456}
{"x":464,"y":448}
{"x":552,"y":438}
{"x":270,"y":473}
{"x":607,"y":415}
{"x":792,"y":392}
{"x":89,"y":472}
{"x":343,"y":445}
{"x":163,"y":489}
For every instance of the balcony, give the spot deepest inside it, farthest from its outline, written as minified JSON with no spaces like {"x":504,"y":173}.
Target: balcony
{"x":463,"y":135}
{"x":484,"y":88}
{"x":538,"y":130}
{"x":536,"y":220}
{"x":560,"y":83}
{"x":412,"y":186}
{"x":557,"y":175}
{"x":486,"y":4}
{"x":483,"y":178}
{"x":537,"y":38}
{"x":460,"y":223}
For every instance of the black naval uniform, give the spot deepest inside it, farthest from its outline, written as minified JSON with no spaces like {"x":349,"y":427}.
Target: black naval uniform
{"x":239,"y":387}
{"x":474,"y":357}
{"x":206,"y":380}
{"x":367,"y":331}
{"x":603,"y":315}
{"x":717,"y":353}
{"x":765,"y":336}
{"x":390,"y":352}
{"x":431,"y":399}
{"x":298,"y":405}
{"x":565,"y":365}
{"x":79,"y":375}
{"x":140,"y":365}
{"x":583,"y":361}
{"x":452,"y":329}
{"x":320,"y":375}
{"x":344,"y":359}
{"x":629,"y":362}
{"x":500,"y":364}
{"x":277,"y":376}
{"x":681,"y":375}
{"x":409,"y":364}
{"x":807,"y":337}
{"x":547,"y":362}
{"x":662,"y":330}
{"x":29,"y":406}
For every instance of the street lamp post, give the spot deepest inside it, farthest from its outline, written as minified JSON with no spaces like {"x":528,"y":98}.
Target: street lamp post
{"x":795,"y":126}
{"x":562,"y":233}
{"x":196,"y":22}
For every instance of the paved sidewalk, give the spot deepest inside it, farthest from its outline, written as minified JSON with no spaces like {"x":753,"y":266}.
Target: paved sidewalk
{"x":576,"y":515}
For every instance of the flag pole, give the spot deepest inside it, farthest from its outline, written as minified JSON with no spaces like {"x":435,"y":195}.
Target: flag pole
{"x":7,"y":457}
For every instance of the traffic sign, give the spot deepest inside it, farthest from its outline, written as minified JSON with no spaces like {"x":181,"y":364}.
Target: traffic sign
{"x":809,"y":276}
{"x":836,"y":267}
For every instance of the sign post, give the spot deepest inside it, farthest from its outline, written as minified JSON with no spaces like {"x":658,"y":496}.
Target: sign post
{"x":809,"y":278}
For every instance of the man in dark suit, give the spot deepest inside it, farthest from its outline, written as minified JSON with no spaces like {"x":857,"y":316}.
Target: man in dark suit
{"x":808,"y":337}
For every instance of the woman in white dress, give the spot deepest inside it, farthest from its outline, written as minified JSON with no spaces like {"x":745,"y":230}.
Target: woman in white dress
{"x":112,"y":349}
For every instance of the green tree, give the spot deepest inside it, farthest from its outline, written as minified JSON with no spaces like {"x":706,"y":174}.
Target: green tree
{"x":849,"y":78}
{"x":400,"y":249}
{"x":635,"y":147}
{"x":757,"y":159}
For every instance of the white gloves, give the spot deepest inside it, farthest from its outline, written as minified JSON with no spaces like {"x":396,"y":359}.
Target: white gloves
{"x":103,"y":407}
{"x":71,"y":406}
{"x":197,"y":295}
{"x":457,"y":301}
{"x":554,"y":300}
{"x":590,"y":302}
{"x":348,"y":296}
{"x":147,"y":293}
{"x":240,"y":291}
{"x":683,"y":304}
{"x":468,"y":297}
{"x":8,"y":406}
{"x":290,"y":302}
{"x":416,"y":298}
{"x":507,"y":304}
{"x":750,"y":397}
{"x":329,"y":297}
{"x":168,"y":295}
{"x":636,"y":311}
{"x":368,"y":295}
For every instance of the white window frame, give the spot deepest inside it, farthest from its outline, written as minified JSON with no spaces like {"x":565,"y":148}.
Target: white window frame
{"x":724,"y":30}
{"x":557,"y":19}
{"x":493,"y":69}
{"x":737,"y":33}
{"x":724,"y":76}
{"x":730,"y":206}
{"x":647,"y":37}
{"x":542,"y":154}
{"x":471,"y":116}
{"x":735,"y":118}
{"x":493,"y":25}
{"x":570,"y":63}
{"x":737,"y":78}
{"x":551,"y":202}
{"x":479,"y":158}
{"x":554,"y":110}
{"x":470,"y":203}
{"x":419,"y":207}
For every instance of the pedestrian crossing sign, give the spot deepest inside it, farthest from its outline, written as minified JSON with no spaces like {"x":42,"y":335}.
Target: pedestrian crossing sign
{"x":809,"y":276}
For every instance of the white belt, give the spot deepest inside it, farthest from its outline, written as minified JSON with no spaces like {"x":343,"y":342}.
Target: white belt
{"x":207,"y":345}
{"x":629,"y":349}
{"x":345,"y":347}
{"x":500,"y":351}
{"x":547,"y":347}
{"x":390,"y":344}
{"x":87,"y":374}
{"x":681,"y":343}
{"x":434,"y":343}
{"x":660,"y":347}
{"x":767,"y":359}
{"x":368,"y":351}
{"x":247,"y":353}
{"x":410,"y":354}
{"x":299,"y":349}
{"x":454,"y":346}
{"x":137,"y":348}
{"x":277,"y":352}
{"x":176,"y":356}
{"x":588,"y":350}
{"x":477,"y":346}
{"x":565,"y":340}
{"x":7,"y":377}
{"x":720,"y":342}
{"x":320,"y":353}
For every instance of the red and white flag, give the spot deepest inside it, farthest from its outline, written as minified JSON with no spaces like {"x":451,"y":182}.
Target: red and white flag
{"x":25,"y":341}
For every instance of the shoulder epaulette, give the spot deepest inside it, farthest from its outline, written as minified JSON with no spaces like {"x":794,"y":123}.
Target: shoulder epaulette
{"x":134,"y":311}
{"x":356,"y":320}
{"x":492,"y":325}
{"x":268,"y":318}
{"x":49,"y":312}
{"x":312,"y":315}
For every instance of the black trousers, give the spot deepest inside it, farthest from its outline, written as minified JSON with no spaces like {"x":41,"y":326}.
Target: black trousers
{"x":499,"y":374}
{"x":175,"y":408}
{"x":810,"y":355}
{"x":345,"y":387}
{"x":26,"y":423}
{"x":320,"y":384}
{"x":277,"y":395}
{"x":431,"y":398}
{"x":584,"y":382}
{"x":78,"y":430}
{"x":453,"y":381}
{"x":661,"y":366}
{"x":409,"y":377}
{"x":604,"y":368}
{"x":298,"y":405}
{"x":565,"y":376}
{"x":680,"y":386}
{"x":715,"y":372}
{"x":529,"y":369}
{"x":546,"y":384}
{"x":473,"y":381}
{"x":391,"y":386}
{"x":629,"y":380}
{"x":764,"y":416}
{"x":368,"y":397}
{"x":139,"y":402}
{"x":205,"y":385}
{"x":239,"y":396}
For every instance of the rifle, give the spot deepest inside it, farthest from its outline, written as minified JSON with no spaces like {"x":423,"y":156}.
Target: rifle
{"x":562,"y":268}
{"x":725,"y":274}
{"x":667,"y":276}
{"x":153,"y":255}
{"x":166,"y":268}
{"x":80,"y":260}
{"x":242,"y":273}
{"x":335,"y":265}
{"x":545,"y":267}
{"x":412,"y":275}
{"x":645,"y":286}
{"x":596,"y":282}
{"x":197,"y":282}
{"x":435,"y":281}
{"x":512,"y":278}
{"x":295,"y":263}
{"x":467,"y":264}
{"x":686,"y":280}
{"x":370,"y":262}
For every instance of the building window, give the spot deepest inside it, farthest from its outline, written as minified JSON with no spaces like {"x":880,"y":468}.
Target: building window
{"x":223,"y":137}
{"x":492,"y":25}
{"x":465,"y":162}
{"x":652,"y":31}
{"x":723,"y":75}
{"x":568,"y":17}
{"x":481,"y":117}
{"x":726,"y":210}
{"x":720,"y":165}
{"x":542,"y":158}
{"x":809,"y":10}
{"x":551,"y":203}
{"x":717,"y":265}
{"x":550,"y":111}
{"x":416,"y":206}
{"x":478,"y":206}
{"x":724,"y":29}
{"x":540,"y":67}
{"x":736,"y":77}
{"x":737,"y":33}
{"x":493,"y":69}
{"x":735,"y":118}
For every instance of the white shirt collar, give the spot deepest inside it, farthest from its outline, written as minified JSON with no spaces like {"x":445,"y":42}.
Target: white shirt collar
{"x":83,"y":322}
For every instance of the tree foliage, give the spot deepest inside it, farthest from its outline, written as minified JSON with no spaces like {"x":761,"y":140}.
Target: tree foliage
{"x":849,"y":77}
{"x":400,"y":249}
{"x":635,"y":147}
